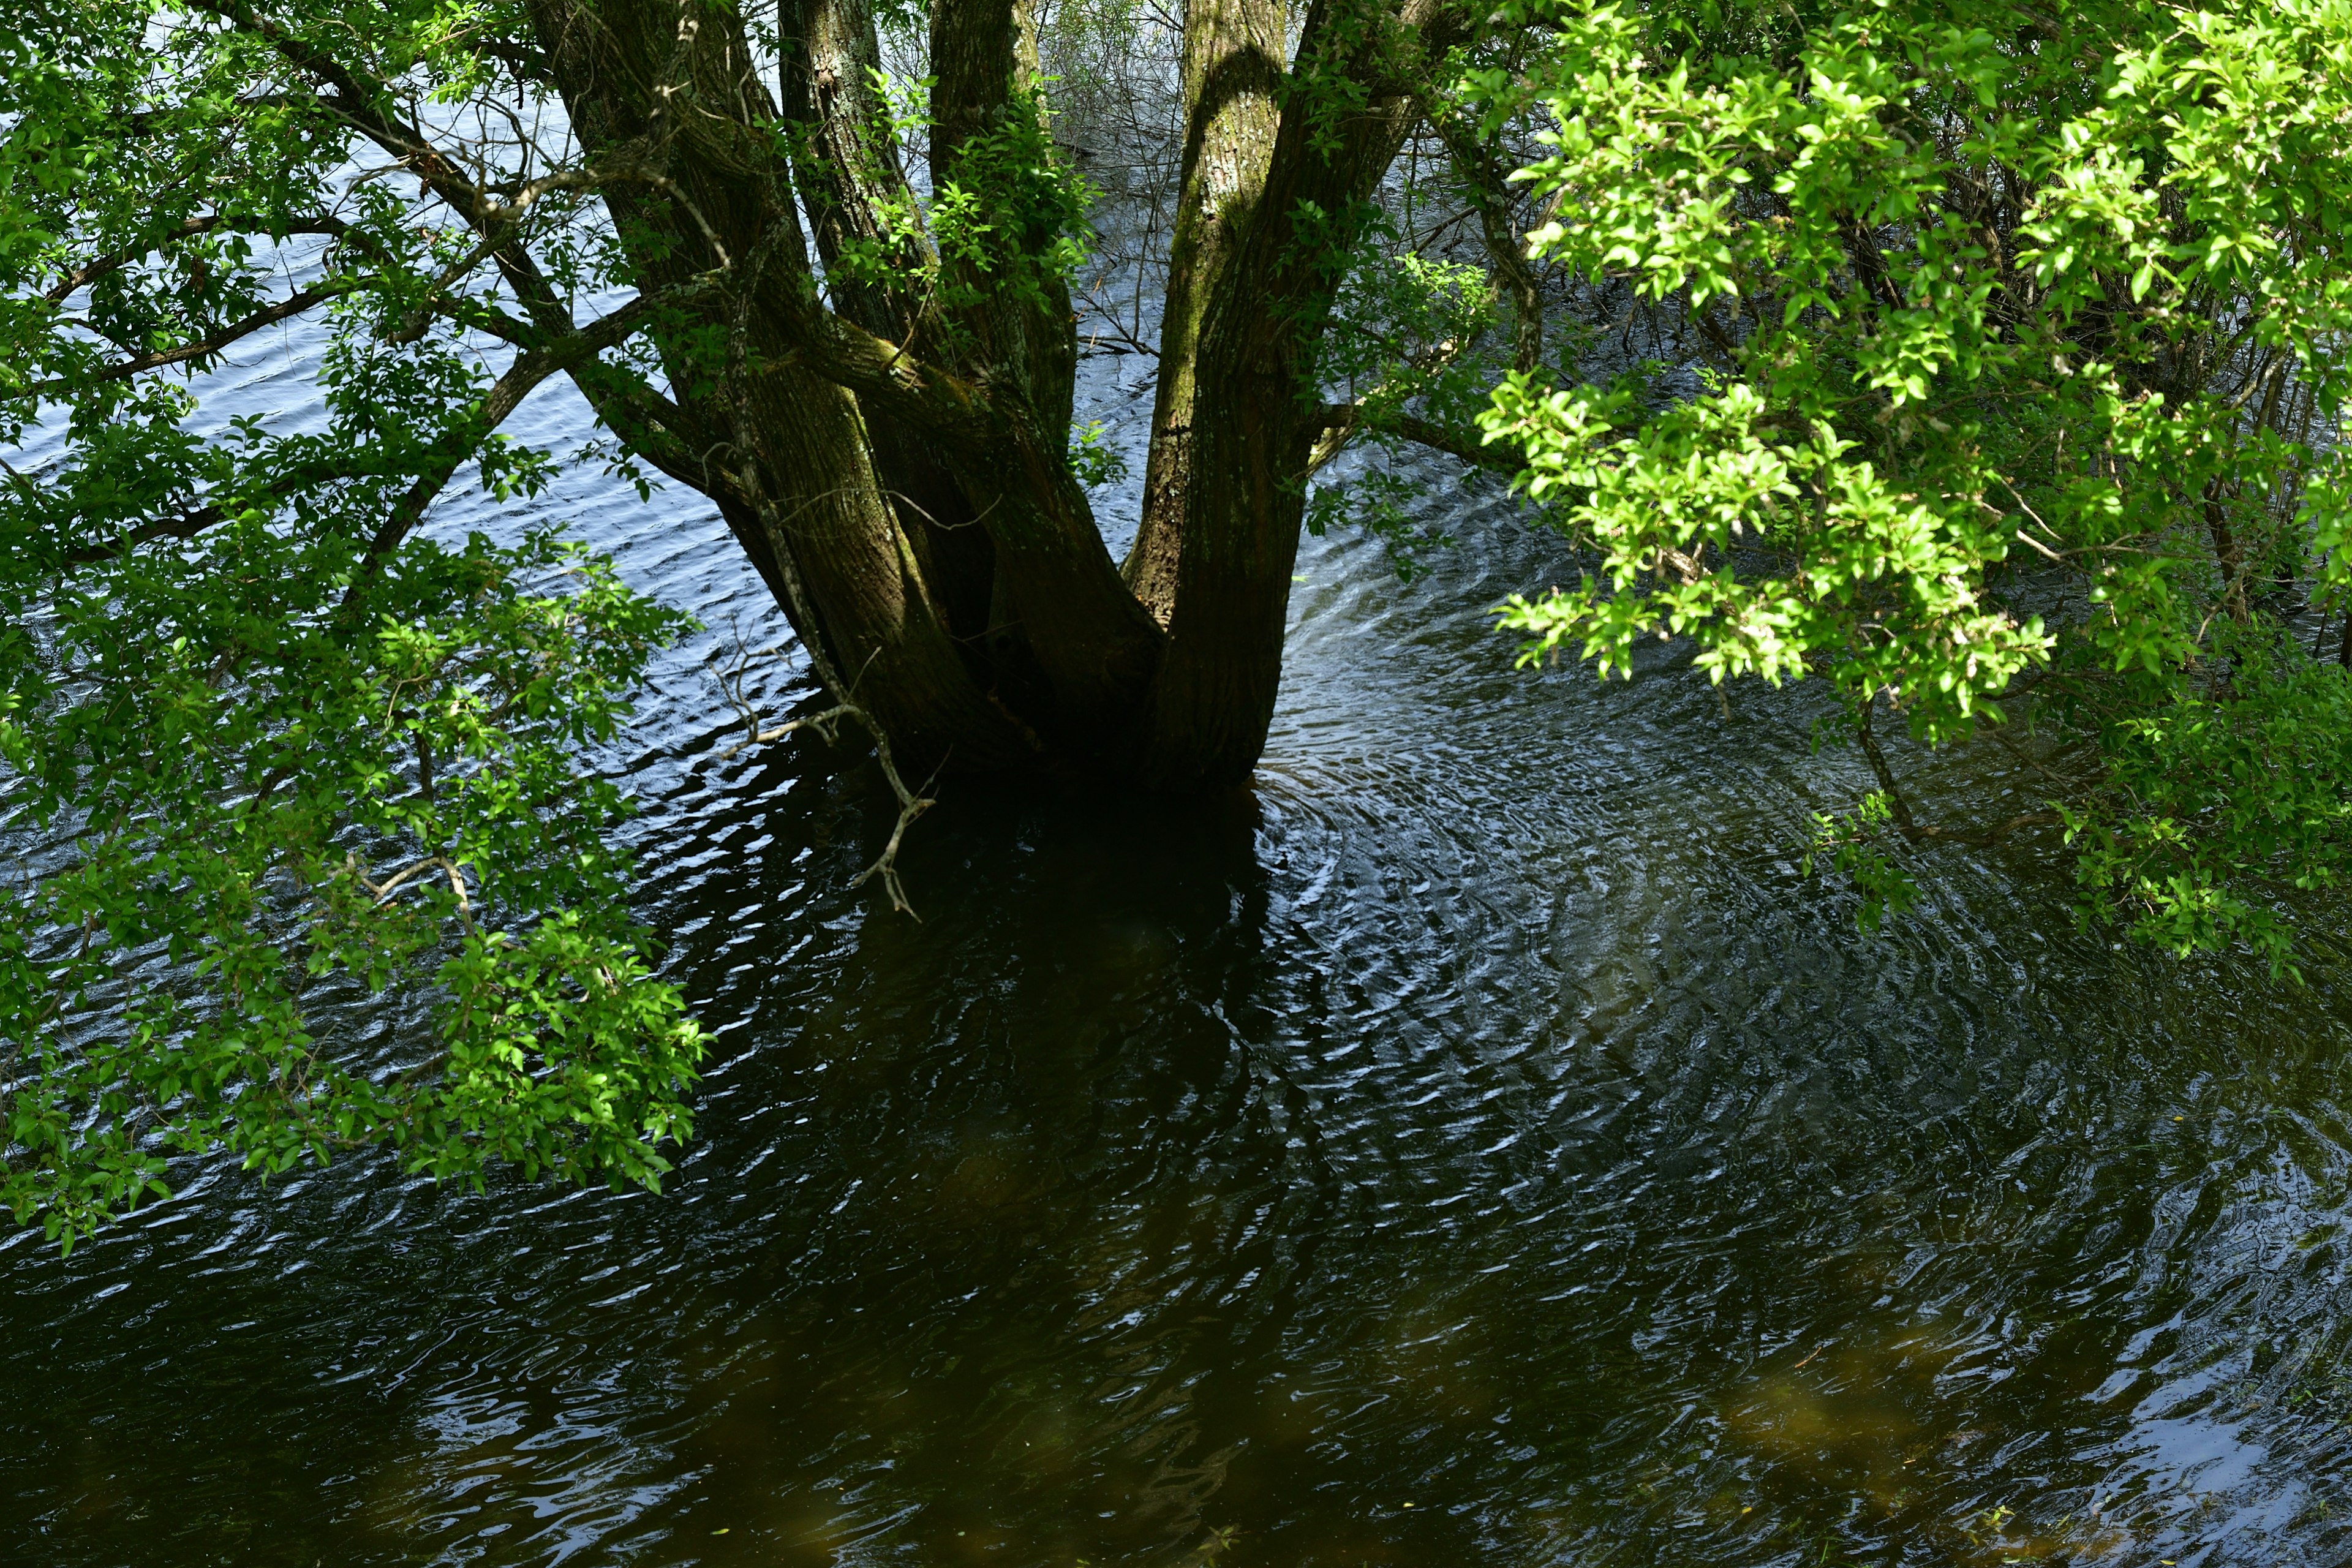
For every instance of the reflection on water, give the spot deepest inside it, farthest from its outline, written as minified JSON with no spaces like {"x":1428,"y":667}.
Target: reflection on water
{"x":1479,"y":1148}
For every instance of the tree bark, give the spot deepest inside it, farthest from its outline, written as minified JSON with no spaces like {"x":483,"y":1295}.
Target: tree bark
{"x":665,"y":83}
{"x":1256,"y":406}
{"x":897,"y":432}
{"x":852,"y":181}
{"x":1232,"y":82}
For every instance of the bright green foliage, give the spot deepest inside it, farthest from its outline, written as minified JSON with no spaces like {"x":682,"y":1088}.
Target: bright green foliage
{"x":1015,"y":217}
{"x":1854,"y":845}
{"x":2011,"y":361}
{"x":266,"y":747}
{"x":1016,"y":207}
{"x":1092,"y":457}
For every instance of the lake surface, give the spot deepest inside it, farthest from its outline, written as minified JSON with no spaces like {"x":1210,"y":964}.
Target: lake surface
{"x":1480,"y":1148}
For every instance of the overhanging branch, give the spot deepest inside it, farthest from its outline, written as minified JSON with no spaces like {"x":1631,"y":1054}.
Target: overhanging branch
{"x":507,"y":394}
{"x":203,"y":347}
{"x":1342,"y":421}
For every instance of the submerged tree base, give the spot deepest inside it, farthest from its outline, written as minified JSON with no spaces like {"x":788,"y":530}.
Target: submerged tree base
{"x":1928,"y":293}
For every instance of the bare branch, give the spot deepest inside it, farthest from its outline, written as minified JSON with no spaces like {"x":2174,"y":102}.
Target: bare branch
{"x":912,"y":804}
{"x":1916,"y":832}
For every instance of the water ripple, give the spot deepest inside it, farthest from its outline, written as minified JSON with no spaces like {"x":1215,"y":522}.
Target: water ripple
{"x":1480,"y":1147}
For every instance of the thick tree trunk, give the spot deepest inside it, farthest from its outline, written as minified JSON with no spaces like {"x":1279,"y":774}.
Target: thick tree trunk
{"x":1256,"y":407}
{"x":850,"y":179}
{"x":648,"y":79}
{"x":1233,"y":83}
{"x":892,"y":450}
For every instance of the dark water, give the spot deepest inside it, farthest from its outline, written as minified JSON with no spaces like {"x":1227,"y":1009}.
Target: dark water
{"x":1481,"y":1149}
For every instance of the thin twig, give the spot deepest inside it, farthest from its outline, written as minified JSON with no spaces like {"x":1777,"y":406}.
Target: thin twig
{"x":748,"y":485}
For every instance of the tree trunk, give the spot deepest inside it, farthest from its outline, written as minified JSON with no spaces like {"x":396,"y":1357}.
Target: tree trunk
{"x":651,"y":79}
{"x":892,"y":413}
{"x":850,"y":178}
{"x":1256,"y":408}
{"x":1233,"y":81}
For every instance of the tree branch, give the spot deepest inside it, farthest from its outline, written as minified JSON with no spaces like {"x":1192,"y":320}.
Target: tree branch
{"x":912,"y":804}
{"x":185,"y":526}
{"x":1342,"y":422}
{"x":122,"y":370}
{"x":902,"y":385}
{"x":529,"y":369}
{"x":355,"y":96}
{"x":1485,"y":182}
{"x":1914,"y":831}
{"x":105,"y":266}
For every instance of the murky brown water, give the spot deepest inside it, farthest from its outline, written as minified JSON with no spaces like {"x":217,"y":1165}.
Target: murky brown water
{"x":1482,"y":1149}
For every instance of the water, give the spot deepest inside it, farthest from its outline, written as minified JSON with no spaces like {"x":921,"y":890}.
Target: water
{"x":1479,"y":1149}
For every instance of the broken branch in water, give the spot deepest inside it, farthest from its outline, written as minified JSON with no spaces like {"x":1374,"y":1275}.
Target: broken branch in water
{"x":912,"y":803}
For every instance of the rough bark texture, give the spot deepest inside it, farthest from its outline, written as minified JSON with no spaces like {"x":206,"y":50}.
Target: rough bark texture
{"x":1256,"y":411}
{"x":888,"y":427}
{"x":674,"y":86}
{"x":1233,"y":84}
{"x":850,"y":180}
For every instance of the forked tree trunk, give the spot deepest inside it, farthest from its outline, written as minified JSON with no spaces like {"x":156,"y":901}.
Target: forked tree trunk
{"x":891,"y":447}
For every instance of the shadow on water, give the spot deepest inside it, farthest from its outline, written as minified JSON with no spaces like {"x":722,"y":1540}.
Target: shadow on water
{"x":1478,"y":1147}
{"x":1037,"y":1169}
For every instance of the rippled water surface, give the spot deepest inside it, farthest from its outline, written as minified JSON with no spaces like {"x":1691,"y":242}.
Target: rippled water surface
{"x":1480,"y":1148}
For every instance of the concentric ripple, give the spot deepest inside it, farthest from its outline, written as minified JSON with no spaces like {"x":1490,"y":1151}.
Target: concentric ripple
{"x":1478,"y":1148}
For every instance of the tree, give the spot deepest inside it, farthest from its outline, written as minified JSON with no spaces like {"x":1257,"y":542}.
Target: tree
{"x":1992,"y":356}
{"x":280,"y":740}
